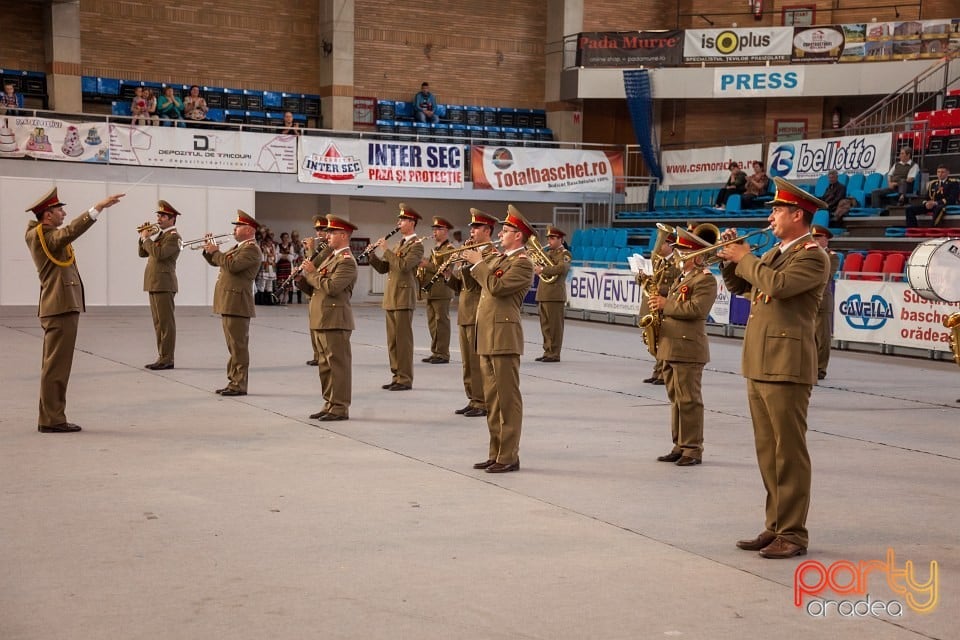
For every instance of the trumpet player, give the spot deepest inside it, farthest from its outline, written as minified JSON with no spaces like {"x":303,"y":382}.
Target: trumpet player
{"x":552,"y":296}
{"x":160,"y":245}
{"x":310,"y":253}
{"x":684,"y":349}
{"x":438,"y":295}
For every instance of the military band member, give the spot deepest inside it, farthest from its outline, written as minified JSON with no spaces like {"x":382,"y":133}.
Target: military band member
{"x":665,"y":277}
{"x":400,"y":295}
{"x":942,"y":192}
{"x":61,"y":299}
{"x":552,"y":296}
{"x":233,"y":297}
{"x":504,"y":279}
{"x":330,"y":285}
{"x":310,"y":246}
{"x":438,"y":297}
{"x":684,"y":349}
{"x":161,"y":250}
{"x":780,"y":361}
{"x":825,"y":311}
{"x":462,"y":281}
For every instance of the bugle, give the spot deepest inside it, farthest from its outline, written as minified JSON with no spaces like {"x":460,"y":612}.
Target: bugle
{"x":540,"y":257}
{"x":680,"y":257}
{"x":198,"y":243}
{"x":451,"y":256}
{"x":152,"y":227}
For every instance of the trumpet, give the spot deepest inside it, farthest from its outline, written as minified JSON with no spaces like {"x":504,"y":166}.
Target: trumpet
{"x":198,"y":243}
{"x":451,"y":256}
{"x":152,"y":227}
{"x":680,"y":257}
{"x":540,"y":257}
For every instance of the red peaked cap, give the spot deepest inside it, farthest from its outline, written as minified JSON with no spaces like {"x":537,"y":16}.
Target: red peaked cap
{"x":48,"y":201}
{"x":409,"y":213}
{"x":478,"y":217}
{"x":516,"y":220}
{"x":334,"y":222}
{"x":441,"y":223}
{"x":793,"y":195}
{"x":554,"y":231}
{"x":245,"y":218}
{"x":166,"y":208}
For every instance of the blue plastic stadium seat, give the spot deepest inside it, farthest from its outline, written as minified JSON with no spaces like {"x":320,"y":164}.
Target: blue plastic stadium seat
{"x":120,"y":108}
{"x":821,"y":218}
{"x":821,"y":186}
{"x":874,"y":181}
{"x":620,"y":238}
{"x":577,"y":238}
{"x":855,"y":182}
{"x":588,"y":252}
{"x":733,"y":202}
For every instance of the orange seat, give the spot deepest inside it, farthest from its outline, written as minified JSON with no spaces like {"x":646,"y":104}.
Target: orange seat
{"x":873,"y":266}
{"x":853,"y":264}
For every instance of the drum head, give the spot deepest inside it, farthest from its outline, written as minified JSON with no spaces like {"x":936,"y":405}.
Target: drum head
{"x":933,"y":270}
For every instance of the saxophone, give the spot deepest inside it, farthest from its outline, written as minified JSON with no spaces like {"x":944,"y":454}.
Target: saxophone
{"x":952,"y":322}
{"x":650,"y":323}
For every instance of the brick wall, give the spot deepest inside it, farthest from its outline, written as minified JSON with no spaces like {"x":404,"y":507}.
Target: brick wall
{"x":23,"y":36}
{"x":489,"y":53}
{"x":626,"y":15}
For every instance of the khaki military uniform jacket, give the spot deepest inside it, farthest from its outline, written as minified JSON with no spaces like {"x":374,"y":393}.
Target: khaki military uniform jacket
{"x":504,"y":280}
{"x":160,"y":274}
{"x":683,"y":332}
{"x":557,"y":290}
{"x":463,"y":282}
{"x":61,"y":289}
{"x":400,"y":265}
{"x":233,"y":294}
{"x":784,"y":289}
{"x":826,"y":300}
{"x":331,"y":288}
{"x":664,"y":280}
{"x":439,"y":290}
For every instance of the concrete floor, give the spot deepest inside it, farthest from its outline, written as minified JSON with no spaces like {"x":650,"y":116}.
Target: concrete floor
{"x":180,"y":514}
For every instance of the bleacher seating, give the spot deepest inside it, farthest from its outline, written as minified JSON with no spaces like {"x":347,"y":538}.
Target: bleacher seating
{"x":32,"y":85}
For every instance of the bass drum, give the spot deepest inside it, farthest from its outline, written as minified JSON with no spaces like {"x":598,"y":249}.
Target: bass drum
{"x":933,"y":270}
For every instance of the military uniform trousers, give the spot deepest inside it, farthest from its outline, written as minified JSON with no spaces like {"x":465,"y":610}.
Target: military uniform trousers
{"x":683,"y":382}
{"x":438,"y":319}
{"x":164,"y":324}
{"x":400,"y":345}
{"x":551,"y":325}
{"x":824,"y":336}
{"x":472,"y":378}
{"x":335,"y":368}
{"x":59,"y":340}
{"x":779,"y":413}
{"x":501,"y":391}
{"x":236,"y":330}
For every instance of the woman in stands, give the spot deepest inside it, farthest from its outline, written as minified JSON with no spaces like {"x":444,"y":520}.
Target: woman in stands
{"x":151,"y":100}
{"x":757,"y":184}
{"x":195,"y":107}
{"x":138,"y":107}
{"x":290,"y":128}
{"x":170,"y":107}
{"x":736,"y":183}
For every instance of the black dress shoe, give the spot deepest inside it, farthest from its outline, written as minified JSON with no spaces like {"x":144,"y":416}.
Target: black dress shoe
{"x":540,"y":359}
{"x":821,"y":375}
{"x":63,"y":427}
{"x":220,"y":391}
{"x":496,"y":467}
{"x":659,"y":381}
{"x":332,"y":417}
{"x":233,"y":392}
{"x":439,"y":360}
{"x":650,"y":380}
{"x":428,"y":359}
{"x":687,"y":461}
{"x":318,"y":415}
{"x":673,"y":456}
{"x":474,"y":413}
{"x":388,"y":385}
{"x":312,"y":363}
{"x":460,"y":412}
{"x":550,"y":359}
{"x":396,"y":386}
{"x":157,"y":366}
{"x":484,"y":464}
{"x":755,"y":544}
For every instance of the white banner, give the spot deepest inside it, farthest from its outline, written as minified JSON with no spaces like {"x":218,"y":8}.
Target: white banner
{"x":524,"y":169}
{"x":202,"y":149}
{"x":758,"y":82}
{"x":890,"y":313}
{"x":737,"y":45}
{"x":49,"y":139}
{"x":381,"y":162}
{"x":810,"y":159}
{"x":706,"y":166}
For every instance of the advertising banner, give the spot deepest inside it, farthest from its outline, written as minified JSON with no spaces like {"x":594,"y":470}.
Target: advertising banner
{"x":810,"y":159}
{"x":381,"y":162}
{"x":890,"y":313}
{"x":823,"y":43}
{"x":758,"y":82}
{"x":738,"y":45}
{"x":202,"y":149}
{"x":630,"y":49}
{"x":526,"y":169}
{"x":50,"y":139}
{"x":706,"y":166}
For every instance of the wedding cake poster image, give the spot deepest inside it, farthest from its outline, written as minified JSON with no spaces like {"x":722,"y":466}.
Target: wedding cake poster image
{"x":53,"y":140}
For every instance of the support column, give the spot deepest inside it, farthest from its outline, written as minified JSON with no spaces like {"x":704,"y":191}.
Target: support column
{"x":336,"y":63}
{"x":62,"y":54}
{"x":564,"y":117}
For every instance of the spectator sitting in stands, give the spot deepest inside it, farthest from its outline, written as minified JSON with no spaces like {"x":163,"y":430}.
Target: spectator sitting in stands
{"x":736,"y":183}
{"x":290,"y":128}
{"x":757,"y":184}
{"x":425,"y":105}
{"x":10,"y":100}
{"x":170,"y":107}
{"x":900,"y":178}
{"x":151,"y":101}
{"x":194,"y":106}
{"x":836,"y":191}
{"x":843,"y":208}
{"x":138,"y":108}
{"x":940,"y":192}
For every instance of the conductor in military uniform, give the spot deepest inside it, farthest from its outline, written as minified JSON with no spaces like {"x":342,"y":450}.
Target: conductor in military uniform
{"x":61,"y":299}
{"x":780,"y":361}
{"x":684,"y":349}
{"x":504,"y":279}
{"x":438,"y":296}
{"x":315,"y":251}
{"x":552,"y":296}
{"x":461,"y":280}
{"x":400,"y":295}
{"x":825,"y":311}
{"x":161,"y":249}
{"x":233,"y":297}
{"x":330,"y":285}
